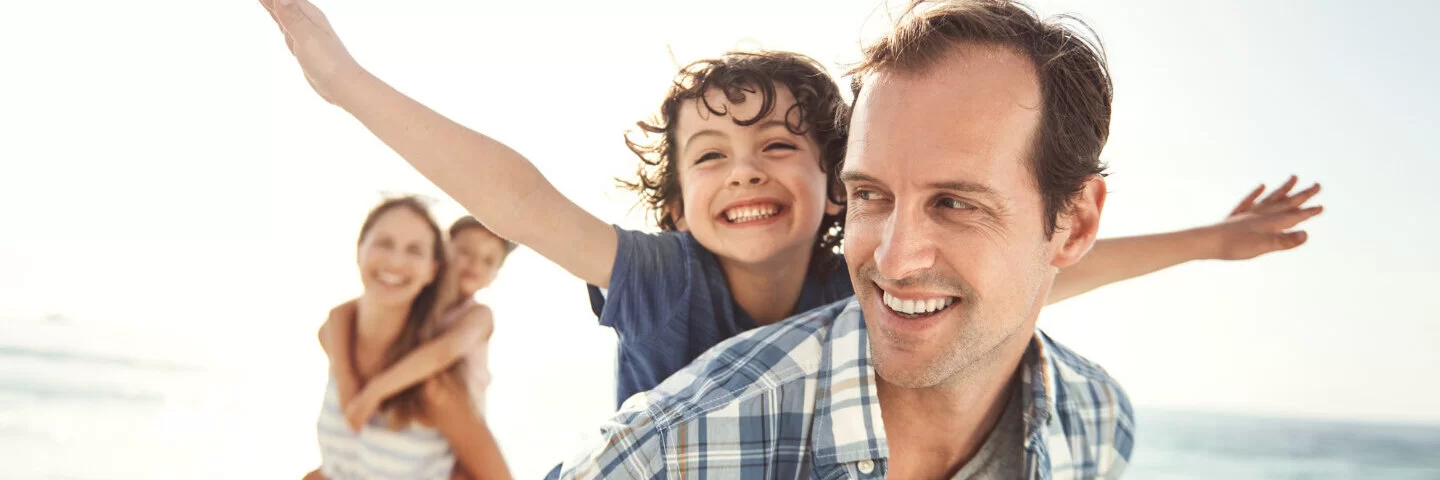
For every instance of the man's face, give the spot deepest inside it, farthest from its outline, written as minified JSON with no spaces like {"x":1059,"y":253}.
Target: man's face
{"x":945,"y":234}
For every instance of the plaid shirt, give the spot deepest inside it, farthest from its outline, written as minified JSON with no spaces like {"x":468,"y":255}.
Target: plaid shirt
{"x":798,"y":400}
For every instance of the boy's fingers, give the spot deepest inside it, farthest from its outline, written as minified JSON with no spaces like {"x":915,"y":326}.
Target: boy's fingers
{"x":312,"y":13}
{"x":1290,"y":219}
{"x":1249,"y":201}
{"x":1282,"y":190}
{"x":1289,"y":240}
{"x":1298,"y":199}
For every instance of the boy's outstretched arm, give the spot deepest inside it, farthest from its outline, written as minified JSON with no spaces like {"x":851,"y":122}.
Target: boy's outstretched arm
{"x":335,"y":339}
{"x":1251,"y":230}
{"x":425,"y":362}
{"x":494,"y":183}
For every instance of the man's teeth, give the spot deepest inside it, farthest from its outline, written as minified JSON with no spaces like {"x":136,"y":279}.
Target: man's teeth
{"x":391,"y":279}
{"x":750,"y":213}
{"x":917,"y":307}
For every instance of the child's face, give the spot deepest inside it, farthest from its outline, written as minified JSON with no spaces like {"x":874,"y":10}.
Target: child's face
{"x":397,"y":257}
{"x":478,"y":255}
{"x":751,"y":193}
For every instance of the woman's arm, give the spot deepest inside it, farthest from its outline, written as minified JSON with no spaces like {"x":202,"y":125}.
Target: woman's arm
{"x":335,"y":339}
{"x":449,"y":407}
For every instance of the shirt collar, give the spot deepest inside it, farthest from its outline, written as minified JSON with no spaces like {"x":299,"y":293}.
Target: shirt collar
{"x":848,"y":423}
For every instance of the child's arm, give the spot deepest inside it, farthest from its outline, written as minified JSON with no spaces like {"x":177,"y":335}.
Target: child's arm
{"x":431,"y":358}
{"x":335,"y":339}
{"x":494,"y":183}
{"x":1251,"y":230}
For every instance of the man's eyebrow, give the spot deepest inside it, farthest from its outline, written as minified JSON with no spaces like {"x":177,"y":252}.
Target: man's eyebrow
{"x":965,"y":186}
{"x":851,"y":176}
{"x":955,"y":185}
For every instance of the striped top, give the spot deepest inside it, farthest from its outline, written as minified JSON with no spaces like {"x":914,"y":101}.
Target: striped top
{"x":376,"y":452}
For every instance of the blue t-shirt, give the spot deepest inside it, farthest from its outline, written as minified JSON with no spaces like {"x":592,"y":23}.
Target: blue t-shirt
{"x":668,"y":303}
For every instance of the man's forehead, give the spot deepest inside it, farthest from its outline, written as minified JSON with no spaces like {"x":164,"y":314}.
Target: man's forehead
{"x":968,"y":119}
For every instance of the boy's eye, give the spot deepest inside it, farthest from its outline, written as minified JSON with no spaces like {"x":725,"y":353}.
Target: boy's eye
{"x":779,"y":146}
{"x":709,"y":156}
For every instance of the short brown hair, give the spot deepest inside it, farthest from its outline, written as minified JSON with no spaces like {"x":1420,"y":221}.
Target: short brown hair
{"x":820,"y":110}
{"x":1071,"y":68}
{"x":468,"y":222}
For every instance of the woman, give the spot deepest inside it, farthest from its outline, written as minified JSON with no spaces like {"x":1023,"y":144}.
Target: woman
{"x":478,"y":255}
{"x":424,"y":429}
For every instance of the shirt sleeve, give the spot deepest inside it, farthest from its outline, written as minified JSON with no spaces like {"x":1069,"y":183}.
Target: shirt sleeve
{"x":647,"y":282}
{"x":629,"y":448}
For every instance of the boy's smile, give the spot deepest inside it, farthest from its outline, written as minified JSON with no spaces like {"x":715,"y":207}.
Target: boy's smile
{"x":751,"y":193}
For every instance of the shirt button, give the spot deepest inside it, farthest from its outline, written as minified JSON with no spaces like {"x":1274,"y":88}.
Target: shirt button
{"x":866,"y":466}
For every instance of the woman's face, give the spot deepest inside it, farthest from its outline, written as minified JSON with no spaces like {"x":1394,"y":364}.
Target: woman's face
{"x":397,"y":257}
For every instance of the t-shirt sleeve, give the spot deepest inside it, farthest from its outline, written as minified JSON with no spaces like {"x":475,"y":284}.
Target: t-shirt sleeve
{"x":647,"y":282}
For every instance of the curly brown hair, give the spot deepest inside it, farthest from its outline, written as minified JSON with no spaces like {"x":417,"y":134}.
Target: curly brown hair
{"x":820,"y":111}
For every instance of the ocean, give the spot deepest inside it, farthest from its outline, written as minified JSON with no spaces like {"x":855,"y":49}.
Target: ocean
{"x":85,"y":415}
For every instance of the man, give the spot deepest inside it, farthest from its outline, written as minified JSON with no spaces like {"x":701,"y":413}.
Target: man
{"x":972,"y":177}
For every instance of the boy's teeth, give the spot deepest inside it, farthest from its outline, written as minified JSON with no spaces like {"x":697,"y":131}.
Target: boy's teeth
{"x":751,"y":213}
{"x":916,"y":307}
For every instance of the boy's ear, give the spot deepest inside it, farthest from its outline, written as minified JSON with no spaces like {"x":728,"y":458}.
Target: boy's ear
{"x":676,"y":213}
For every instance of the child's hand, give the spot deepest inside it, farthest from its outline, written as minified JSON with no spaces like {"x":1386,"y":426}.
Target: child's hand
{"x":1255,"y":229}
{"x":313,"y":43}
{"x":348,"y":391}
{"x":359,"y":411}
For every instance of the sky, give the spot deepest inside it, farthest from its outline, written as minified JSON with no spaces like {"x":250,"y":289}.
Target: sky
{"x":171,"y":187}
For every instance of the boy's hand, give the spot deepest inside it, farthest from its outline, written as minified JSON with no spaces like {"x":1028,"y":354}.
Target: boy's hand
{"x":314,"y":44}
{"x":359,"y":411}
{"x":1254,"y":229}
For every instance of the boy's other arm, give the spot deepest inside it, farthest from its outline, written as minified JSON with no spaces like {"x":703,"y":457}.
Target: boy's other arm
{"x":1252,"y":229}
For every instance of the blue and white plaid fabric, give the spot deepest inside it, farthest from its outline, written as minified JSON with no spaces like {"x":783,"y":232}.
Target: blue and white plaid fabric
{"x":798,"y":400}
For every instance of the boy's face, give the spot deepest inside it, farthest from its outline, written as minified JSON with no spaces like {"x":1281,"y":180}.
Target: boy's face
{"x":478,"y":256}
{"x":751,"y":193}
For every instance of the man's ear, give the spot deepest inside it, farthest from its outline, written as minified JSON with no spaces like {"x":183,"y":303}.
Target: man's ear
{"x":1077,"y":228}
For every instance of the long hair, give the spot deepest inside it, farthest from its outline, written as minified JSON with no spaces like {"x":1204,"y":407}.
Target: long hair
{"x":423,"y":322}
